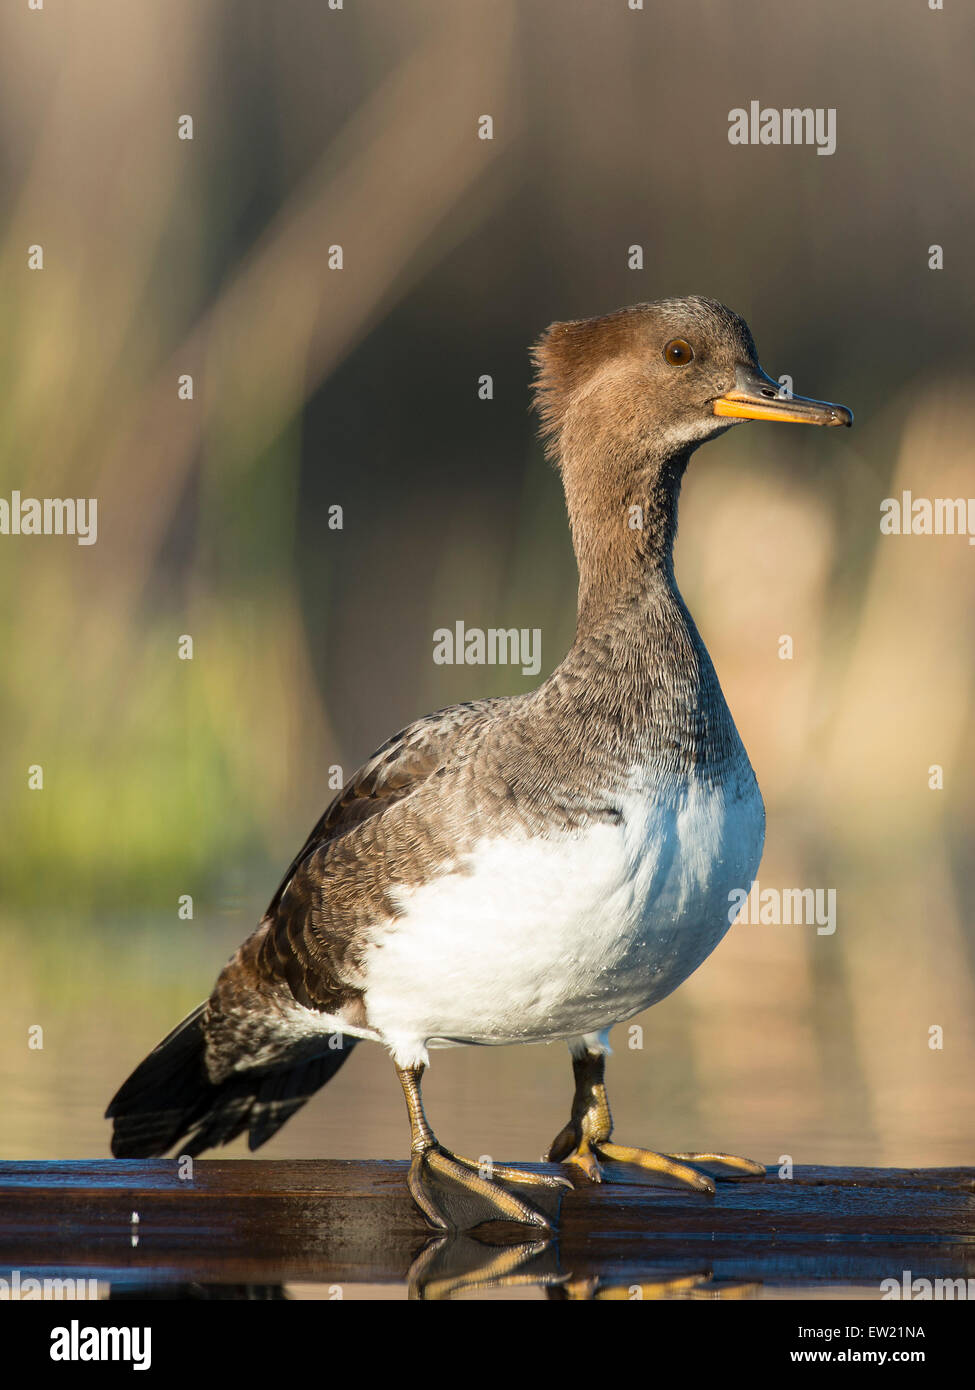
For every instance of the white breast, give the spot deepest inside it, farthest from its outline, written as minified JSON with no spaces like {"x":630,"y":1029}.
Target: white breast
{"x":541,"y":938}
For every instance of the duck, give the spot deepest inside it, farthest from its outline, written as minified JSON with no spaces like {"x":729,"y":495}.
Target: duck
{"x":520,"y":869}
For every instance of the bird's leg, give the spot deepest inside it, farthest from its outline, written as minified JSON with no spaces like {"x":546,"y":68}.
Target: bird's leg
{"x":585,"y":1140}
{"x":457,"y":1193}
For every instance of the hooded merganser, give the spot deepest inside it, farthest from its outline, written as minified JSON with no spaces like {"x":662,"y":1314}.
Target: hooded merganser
{"x":527,"y":868}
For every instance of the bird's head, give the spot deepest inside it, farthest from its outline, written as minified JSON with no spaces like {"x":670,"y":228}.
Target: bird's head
{"x":625,"y":400}
{"x":654,"y":381}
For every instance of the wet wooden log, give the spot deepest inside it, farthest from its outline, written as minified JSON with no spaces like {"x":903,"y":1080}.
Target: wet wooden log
{"x":271,"y":1223}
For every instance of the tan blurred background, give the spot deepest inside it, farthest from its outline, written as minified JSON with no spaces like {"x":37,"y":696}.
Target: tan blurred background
{"x":316,"y":387}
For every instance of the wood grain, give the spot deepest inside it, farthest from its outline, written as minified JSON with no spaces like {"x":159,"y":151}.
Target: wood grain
{"x":270,"y":1223}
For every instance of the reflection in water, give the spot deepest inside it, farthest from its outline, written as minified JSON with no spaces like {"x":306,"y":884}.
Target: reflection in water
{"x":699,"y":1286}
{"x":451,"y":1266}
{"x":203,"y":1293}
{"x":448,"y":1266}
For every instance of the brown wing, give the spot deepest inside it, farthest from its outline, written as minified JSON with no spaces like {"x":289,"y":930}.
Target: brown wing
{"x":302,"y":939}
{"x":394,"y":771}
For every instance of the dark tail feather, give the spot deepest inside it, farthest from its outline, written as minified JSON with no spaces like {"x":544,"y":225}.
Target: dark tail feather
{"x":169,"y":1097}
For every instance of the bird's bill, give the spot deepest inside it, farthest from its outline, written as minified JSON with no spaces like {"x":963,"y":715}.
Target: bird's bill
{"x":756,"y":396}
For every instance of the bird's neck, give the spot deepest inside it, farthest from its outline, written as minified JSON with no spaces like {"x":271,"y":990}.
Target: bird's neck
{"x":623,"y":536}
{"x":638,"y":678}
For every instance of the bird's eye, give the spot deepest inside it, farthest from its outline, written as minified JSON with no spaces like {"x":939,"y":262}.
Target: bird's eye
{"x":678,"y":353}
